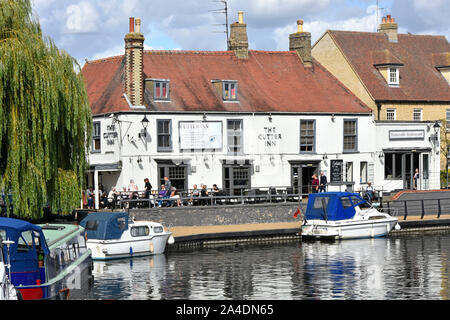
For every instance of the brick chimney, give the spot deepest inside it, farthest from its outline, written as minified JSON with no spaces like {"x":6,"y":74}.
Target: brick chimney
{"x":389,"y":27}
{"x":238,"y":37}
{"x":134,"y":66}
{"x":301,"y":42}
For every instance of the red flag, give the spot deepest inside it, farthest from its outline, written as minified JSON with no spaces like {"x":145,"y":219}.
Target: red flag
{"x":296,"y":213}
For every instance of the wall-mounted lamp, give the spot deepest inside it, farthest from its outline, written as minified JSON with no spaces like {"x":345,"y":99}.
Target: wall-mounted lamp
{"x":332,"y":117}
{"x":204,"y":117}
{"x":270,"y":117}
{"x":139,"y":160}
{"x":381,"y":155}
{"x":435,"y":138}
{"x":325,"y":157}
{"x":144,"y":123}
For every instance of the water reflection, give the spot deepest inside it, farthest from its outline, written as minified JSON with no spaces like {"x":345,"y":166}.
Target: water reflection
{"x":406,"y":267}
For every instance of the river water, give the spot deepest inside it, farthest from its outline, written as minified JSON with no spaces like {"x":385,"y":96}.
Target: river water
{"x":406,"y":266}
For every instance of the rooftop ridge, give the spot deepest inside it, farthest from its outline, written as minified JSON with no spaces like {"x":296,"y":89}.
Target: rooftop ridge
{"x":400,"y":34}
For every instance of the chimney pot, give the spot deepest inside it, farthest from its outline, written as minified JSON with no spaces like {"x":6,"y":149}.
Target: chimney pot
{"x":131,"y":24}
{"x":300,"y":25}
{"x":383,"y":20}
{"x":138,"y":25}
{"x":241,"y":17}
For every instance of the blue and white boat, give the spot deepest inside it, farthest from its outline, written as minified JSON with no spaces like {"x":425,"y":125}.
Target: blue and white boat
{"x":112,"y":235}
{"x":49,"y":261}
{"x":344,"y":215}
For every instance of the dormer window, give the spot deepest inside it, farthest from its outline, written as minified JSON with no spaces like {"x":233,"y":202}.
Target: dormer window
{"x":228,"y":89}
{"x":159,"y":89}
{"x":445,"y":71}
{"x":394,"y":77}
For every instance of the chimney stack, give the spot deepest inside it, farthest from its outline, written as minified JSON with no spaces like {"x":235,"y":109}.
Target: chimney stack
{"x":301,"y":42}
{"x":238,"y":37}
{"x":134,"y":66}
{"x":389,"y":27}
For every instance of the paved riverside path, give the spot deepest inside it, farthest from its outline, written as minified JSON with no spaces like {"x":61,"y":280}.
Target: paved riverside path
{"x":182,"y":231}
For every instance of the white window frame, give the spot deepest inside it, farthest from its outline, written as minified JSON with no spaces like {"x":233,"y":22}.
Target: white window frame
{"x":447,"y":118}
{"x":96,"y":136}
{"x":393,"y":82}
{"x":419,"y":113}
{"x":393,"y":112}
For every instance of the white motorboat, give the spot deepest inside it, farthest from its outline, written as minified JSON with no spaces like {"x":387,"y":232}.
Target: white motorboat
{"x":344,"y":215}
{"x":112,"y":235}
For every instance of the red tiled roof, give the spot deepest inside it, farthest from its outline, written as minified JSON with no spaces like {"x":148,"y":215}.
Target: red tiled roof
{"x":267,"y":82}
{"x":418,"y":54}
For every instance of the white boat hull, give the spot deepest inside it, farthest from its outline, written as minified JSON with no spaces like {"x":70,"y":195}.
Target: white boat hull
{"x":127,"y":248}
{"x":348,"y":229}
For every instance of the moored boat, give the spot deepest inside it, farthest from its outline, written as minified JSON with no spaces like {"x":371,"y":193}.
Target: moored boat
{"x":112,"y":235}
{"x":48,"y":261}
{"x":344,"y":215}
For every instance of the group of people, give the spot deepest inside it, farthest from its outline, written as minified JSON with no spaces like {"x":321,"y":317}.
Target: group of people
{"x":198,"y":196}
{"x":319,"y":185}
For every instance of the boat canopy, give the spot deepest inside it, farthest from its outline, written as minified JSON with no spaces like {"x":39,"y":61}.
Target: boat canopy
{"x":332,"y":205}
{"x":105,"y":225}
{"x":26,"y":236}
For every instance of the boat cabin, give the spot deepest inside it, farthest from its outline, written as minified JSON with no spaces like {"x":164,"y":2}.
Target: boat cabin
{"x":333,"y":205}
{"x":40,"y":255}
{"x":105,"y":225}
{"x":27,"y":253}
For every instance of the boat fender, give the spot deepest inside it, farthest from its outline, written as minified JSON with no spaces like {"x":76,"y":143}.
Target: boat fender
{"x":131,"y":251}
{"x":397,"y":227}
{"x":171,"y":240}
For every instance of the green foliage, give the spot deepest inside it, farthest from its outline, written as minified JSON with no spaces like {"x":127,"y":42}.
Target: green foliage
{"x":45,"y":117}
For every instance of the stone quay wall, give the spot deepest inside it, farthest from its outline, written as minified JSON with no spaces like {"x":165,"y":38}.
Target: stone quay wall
{"x":218,"y":215}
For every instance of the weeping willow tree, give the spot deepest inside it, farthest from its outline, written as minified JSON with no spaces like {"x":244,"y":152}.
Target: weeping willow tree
{"x":45,"y":118}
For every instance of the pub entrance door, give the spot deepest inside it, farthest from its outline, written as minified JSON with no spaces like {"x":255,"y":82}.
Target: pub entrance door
{"x":301,"y":176}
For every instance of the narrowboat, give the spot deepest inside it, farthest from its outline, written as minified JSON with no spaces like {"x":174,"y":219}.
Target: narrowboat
{"x":112,"y":235}
{"x":344,"y":215}
{"x":48,"y":261}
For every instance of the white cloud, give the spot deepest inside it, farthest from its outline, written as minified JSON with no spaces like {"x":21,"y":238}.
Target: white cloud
{"x":81,"y":18}
{"x":367,"y":23}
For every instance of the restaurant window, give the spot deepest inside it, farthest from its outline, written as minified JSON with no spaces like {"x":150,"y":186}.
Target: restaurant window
{"x":393,"y":166}
{"x":236,"y":178}
{"x":96,"y":137}
{"x":363,"y":172}
{"x":234,"y":134}
{"x":350,"y":135}
{"x":161,"y":90}
{"x":349,"y":171}
{"x":164,"y":135}
{"x":229,"y":90}
{"x":307,"y":135}
{"x":391,"y":114}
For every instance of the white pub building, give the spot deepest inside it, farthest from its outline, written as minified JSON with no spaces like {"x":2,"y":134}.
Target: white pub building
{"x":243,"y":119}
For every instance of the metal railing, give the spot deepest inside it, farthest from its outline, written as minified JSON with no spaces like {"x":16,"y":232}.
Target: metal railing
{"x":419,"y":208}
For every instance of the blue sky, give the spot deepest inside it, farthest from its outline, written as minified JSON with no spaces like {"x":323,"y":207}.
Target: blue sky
{"x":94,"y":29}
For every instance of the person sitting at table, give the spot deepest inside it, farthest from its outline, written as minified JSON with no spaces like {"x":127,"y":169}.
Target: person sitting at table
{"x":174,"y":197}
{"x":194,"y":194}
{"x":112,"y":195}
{"x":161,"y":195}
